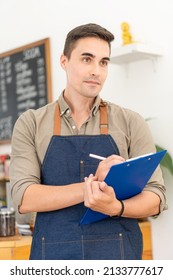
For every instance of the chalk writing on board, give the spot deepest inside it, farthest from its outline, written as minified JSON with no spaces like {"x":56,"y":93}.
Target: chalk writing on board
{"x":24,"y":83}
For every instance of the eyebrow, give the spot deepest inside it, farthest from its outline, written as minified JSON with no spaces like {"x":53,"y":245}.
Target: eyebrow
{"x":91,"y":55}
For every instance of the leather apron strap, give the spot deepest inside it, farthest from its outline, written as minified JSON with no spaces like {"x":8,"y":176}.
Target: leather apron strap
{"x":103,"y":119}
{"x":57,"y":121}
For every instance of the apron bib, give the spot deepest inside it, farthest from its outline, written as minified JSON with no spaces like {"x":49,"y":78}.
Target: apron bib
{"x":58,"y":234}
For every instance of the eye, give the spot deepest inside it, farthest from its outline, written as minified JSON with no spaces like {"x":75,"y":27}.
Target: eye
{"x":86,"y":59}
{"x":104,"y":63}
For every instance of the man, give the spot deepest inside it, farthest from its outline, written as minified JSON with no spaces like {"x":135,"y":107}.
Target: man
{"x":50,"y":159}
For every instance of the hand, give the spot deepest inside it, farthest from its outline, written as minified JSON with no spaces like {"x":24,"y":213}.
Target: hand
{"x":100,"y":197}
{"x":105,"y":165}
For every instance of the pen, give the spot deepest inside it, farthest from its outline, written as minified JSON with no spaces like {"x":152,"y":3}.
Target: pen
{"x":96,"y":156}
{"x":102,"y":158}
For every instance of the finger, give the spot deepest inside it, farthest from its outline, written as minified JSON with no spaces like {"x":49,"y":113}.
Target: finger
{"x":103,"y":186}
{"x":115,"y":158}
{"x":110,"y":161}
{"x":88,"y":185}
{"x":107,"y":189}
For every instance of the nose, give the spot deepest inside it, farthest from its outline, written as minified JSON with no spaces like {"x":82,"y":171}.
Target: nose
{"x":95,"y":69}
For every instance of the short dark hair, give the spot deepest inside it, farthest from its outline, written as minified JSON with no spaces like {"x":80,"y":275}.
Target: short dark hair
{"x":84,"y":31}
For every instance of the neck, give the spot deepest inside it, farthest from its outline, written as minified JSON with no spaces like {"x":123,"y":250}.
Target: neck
{"x":80,"y":107}
{"x":78,"y":103}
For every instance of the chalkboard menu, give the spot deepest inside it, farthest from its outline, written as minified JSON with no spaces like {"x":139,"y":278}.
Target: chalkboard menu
{"x":25,"y":83}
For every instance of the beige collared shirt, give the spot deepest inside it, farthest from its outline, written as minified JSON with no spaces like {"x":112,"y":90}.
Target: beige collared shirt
{"x":34,"y":129}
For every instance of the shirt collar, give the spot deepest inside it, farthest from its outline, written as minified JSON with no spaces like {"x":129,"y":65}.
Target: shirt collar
{"x":64,"y":107}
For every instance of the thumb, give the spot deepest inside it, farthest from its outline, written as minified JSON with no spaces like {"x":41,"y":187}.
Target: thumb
{"x":106,"y":189}
{"x":103,"y":186}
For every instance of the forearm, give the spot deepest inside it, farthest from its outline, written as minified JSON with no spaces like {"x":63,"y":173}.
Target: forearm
{"x":145,"y":204}
{"x":41,"y":198}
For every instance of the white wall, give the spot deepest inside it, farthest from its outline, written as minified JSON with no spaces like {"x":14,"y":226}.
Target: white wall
{"x":146,"y":91}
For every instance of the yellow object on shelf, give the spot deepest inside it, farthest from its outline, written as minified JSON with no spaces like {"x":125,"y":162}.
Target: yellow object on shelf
{"x":126,"y":35}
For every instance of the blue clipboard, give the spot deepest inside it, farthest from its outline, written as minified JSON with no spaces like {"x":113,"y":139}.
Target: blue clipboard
{"x":128,"y":179}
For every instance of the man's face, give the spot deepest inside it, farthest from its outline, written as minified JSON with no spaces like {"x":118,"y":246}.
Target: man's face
{"x":87,"y":67}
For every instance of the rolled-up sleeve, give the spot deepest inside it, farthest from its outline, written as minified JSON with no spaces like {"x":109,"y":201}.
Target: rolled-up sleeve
{"x":25,"y":165}
{"x":142,"y":143}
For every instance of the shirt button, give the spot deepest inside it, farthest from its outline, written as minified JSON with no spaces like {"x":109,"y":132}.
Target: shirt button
{"x":73,"y":126}
{"x":68,"y":111}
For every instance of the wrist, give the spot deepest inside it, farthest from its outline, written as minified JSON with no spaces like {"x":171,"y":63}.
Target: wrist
{"x":121,"y":210}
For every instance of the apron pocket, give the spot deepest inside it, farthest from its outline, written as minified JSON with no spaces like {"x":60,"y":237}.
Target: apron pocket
{"x":103,"y":247}
{"x":110,"y":246}
{"x":61,"y":250}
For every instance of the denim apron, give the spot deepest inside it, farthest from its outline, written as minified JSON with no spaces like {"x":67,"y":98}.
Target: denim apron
{"x":58,"y":234}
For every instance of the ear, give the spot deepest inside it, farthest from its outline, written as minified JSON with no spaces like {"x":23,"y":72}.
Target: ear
{"x":63,"y":61}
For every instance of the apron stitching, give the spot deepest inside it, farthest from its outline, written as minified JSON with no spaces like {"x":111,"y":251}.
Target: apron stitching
{"x":101,"y":239}
{"x":121,"y":246}
{"x":82,"y":248}
{"x":60,"y":242}
{"x":81,"y":170}
{"x":43,"y":248}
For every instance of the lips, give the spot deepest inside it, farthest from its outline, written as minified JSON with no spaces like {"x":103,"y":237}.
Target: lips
{"x":92,"y":82}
